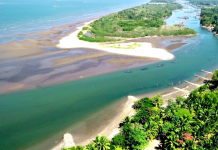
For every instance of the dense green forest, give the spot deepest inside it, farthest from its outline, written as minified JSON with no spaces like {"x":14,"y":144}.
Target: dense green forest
{"x":185,"y":124}
{"x":204,"y":2}
{"x":209,"y":17}
{"x":209,"y":13}
{"x":140,"y":21}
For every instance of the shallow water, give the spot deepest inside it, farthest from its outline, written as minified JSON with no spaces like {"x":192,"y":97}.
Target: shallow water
{"x":32,"y":116}
{"x":24,"y":16}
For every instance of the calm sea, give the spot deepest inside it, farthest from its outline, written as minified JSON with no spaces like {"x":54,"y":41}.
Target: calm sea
{"x":25,"y":16}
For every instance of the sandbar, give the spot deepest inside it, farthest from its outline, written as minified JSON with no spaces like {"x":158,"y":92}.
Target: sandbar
{"x":145,"y":50}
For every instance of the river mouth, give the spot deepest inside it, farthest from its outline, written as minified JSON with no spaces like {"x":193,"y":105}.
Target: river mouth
{"x":36,"y":63}
{"x":33,"y":116}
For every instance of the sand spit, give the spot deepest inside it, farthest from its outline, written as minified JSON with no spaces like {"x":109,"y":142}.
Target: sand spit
{"x":67,"y":142}
{"x":110,"y":130}
{"x":62,"y":65}
{"x":145,"y":50}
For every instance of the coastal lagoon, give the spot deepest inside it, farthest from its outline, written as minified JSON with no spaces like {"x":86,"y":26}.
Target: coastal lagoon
{"x":44,"y":114}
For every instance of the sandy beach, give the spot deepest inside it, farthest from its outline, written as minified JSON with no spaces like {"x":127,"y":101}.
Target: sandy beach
{"x":145,"y":50}
{"x":111,"y":128}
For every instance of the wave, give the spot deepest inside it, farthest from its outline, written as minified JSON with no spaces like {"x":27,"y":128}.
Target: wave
{"x":62,"y":0}
{"x":47,"y":22}
{"x":16,"y":3}
{"x":55,"y":6}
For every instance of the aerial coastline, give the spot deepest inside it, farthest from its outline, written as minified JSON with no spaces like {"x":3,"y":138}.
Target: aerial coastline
{"x":104,"y":35}
{"x":59,"y":49}
{"x":16,"y":53}
{"x":110,"y":131}
{"x":111,"y":127}
{"x":91,"y":59}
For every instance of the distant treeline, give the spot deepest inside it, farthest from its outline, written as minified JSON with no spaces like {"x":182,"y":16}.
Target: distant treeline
{"x":209,"y":17}
{"x":140,"y":21}
{"x":185,"y":124}
{"x":162,"y":1}
{"x":204,"y":2}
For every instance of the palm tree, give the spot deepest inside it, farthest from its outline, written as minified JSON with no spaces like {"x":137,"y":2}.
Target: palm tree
{"x":118,"y":147}
{"x":75,"y":148}
{"x":91,"y":146}
{"x":102,"y":143}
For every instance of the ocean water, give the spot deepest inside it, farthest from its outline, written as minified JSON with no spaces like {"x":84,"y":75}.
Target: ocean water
{"x":26,"y":16}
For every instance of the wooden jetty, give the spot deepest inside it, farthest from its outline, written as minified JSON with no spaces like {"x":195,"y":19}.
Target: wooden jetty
{"x":201,"y":77}
{"x":185,"y":91}
{"x":207,"y":72}
{"x":197,"y":85}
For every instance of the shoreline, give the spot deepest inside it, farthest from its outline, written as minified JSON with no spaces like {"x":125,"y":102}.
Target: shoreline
{"x":20,"y":87}
{"x":117,"y":62}
{"x":39,"y":49}
{"x":112,"y":129}
{"x":72,"y":41}
{"x":82,"y":18}
{"x":210,"y":29}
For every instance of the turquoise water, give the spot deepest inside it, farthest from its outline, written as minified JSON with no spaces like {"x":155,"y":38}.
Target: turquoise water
{"x":32,"y":116}
{"x":25,"y":16}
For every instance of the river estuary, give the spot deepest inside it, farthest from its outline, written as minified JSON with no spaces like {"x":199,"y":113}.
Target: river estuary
{"x":32,"y":116}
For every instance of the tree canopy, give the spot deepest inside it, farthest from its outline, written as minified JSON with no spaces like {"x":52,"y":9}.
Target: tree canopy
{"x":209,"y":17}
{"x":140,"y":21}
{"x":187,"y":123}
{"x":204,"y":2}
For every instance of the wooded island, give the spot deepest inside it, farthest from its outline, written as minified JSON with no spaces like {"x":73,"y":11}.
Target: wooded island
{"x":141,"y":21}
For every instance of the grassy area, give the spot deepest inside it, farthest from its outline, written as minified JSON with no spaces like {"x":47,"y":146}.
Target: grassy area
{"x":125,"y":46}
{"x":140,"y":21}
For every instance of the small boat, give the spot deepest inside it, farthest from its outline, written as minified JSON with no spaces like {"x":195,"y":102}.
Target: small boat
{"x":129,"y":71}
{"x":174,"y":61}
{"x":161,"y":65}
{"x":144,"y":69}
